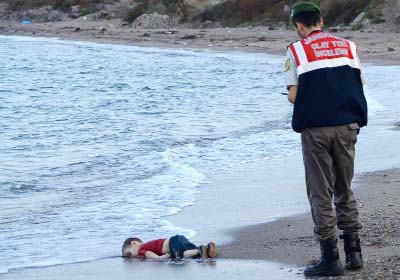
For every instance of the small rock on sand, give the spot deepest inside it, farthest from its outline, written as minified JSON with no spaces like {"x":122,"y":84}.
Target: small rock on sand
{"x":155,"y":20}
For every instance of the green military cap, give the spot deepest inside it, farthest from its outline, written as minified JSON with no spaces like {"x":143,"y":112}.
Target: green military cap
{"x":303,"y":7}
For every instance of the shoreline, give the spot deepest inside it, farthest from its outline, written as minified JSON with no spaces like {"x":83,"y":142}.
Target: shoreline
{"x":376,"y":44}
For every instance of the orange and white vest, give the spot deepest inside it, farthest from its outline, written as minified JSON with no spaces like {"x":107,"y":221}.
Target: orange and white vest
{"x":330,"y":89}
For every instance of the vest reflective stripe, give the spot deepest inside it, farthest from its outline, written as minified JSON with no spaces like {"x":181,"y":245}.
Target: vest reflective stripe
{"x":353,"y":49}
{"x":295,"y":54}
{"x":299,"y":54}
{"x":320,"y":64}
{"x":322,"y":50}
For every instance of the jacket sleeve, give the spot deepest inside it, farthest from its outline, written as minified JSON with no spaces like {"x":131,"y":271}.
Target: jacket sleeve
{"x":290,"y":69}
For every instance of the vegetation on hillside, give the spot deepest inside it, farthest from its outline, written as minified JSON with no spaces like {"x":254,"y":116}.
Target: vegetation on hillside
{"x":345,"y":11}
{"x":228,"y":12}
{"x":335,"y":12}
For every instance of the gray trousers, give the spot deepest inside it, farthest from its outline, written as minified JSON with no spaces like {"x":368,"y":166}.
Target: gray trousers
{"x":328,"y":155}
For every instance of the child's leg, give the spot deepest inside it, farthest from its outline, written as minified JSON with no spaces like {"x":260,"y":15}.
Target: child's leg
{"x":191,"y":253}
{"x":189,"y":249}
{"x":180,"y":246}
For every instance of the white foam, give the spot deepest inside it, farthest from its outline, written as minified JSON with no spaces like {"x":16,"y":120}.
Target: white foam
{"x":168,"y":226}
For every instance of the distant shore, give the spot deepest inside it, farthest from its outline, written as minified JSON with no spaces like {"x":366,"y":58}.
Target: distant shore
{"x":376,"y":44}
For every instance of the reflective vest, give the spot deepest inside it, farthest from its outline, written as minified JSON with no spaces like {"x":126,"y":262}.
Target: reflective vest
{"x":330,"y":89}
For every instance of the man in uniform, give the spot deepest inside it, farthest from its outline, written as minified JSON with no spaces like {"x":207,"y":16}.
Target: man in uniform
{"x":325,"y":84}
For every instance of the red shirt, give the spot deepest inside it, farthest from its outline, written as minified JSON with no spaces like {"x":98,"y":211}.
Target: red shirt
{"x":154,"y":246}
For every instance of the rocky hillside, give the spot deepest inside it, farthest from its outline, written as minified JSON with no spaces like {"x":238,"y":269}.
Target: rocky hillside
{"x":202,"y":12}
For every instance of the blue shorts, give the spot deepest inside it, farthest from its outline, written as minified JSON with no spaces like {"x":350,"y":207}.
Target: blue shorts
{"x":179,"y":244}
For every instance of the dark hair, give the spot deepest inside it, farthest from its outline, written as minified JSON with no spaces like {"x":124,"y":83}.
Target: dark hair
{"x":309,"y":18}
{"x":127,"y":243}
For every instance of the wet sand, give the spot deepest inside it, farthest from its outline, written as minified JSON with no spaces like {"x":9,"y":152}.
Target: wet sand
{"x":117,"y":268}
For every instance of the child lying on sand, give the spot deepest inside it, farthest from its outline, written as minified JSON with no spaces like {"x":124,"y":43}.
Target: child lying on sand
{"x":177,"y":246}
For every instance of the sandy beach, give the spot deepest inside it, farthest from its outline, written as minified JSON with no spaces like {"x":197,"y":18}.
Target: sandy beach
{"x":279,"y":249}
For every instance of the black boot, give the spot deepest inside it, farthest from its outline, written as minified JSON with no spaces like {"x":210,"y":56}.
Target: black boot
{"x":352,"y":248}
{"x":329,"y":264}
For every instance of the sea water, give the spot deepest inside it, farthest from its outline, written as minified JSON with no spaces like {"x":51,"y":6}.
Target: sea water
{"x":100,"y":142}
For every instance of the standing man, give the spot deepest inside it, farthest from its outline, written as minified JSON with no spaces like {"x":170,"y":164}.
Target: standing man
{"x":325,"y":85}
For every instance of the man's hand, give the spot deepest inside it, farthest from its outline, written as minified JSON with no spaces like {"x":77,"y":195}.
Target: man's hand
{"x":292,"y":94}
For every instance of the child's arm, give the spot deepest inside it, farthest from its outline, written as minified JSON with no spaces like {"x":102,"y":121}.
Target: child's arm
{"x":151,"y":255}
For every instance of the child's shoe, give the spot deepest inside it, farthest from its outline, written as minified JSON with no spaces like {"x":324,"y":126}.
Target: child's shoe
{"x":203,"y":252}
{"x":212,"y":250}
